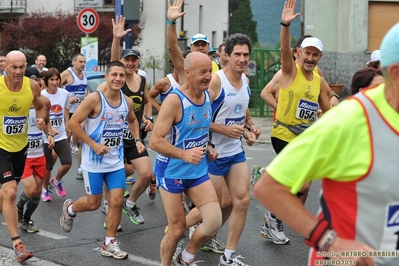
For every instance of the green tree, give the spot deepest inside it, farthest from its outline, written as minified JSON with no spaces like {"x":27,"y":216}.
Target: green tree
{"x":241,"y":19}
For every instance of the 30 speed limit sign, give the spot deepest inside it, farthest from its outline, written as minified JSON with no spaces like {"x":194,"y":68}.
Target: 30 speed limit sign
{"x":88,"y":20}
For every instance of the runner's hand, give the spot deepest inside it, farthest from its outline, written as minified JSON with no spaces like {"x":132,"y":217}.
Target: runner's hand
{"x":118,"y":26}
{"x":288,"y":14}
{"x":173,"y":10}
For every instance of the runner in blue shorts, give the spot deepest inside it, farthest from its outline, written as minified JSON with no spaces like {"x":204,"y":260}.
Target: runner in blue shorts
{"x":180,"y":137}
{"x":103,"y":114}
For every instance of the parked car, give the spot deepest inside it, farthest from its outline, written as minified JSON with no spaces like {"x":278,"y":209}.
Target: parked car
{"x":95,"y":78}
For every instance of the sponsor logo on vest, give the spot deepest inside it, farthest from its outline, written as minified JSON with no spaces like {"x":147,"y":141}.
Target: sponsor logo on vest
{"x":14,"y":121}
{"x":308,"y":105}
{"x":196,"y":142}
{"x":14,"y":108}
{"x":393,"y":215}
{"x":235,"y":121}
{"x":111,"y":134}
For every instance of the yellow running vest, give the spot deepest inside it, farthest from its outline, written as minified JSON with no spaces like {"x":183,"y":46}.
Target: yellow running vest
{"x":297,"y":104}
{"x":14,"y":115}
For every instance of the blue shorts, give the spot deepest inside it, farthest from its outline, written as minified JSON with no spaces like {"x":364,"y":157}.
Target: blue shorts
{"x":222,"y":165}
{"x":177,"y":186}
{"x":94,"y":181}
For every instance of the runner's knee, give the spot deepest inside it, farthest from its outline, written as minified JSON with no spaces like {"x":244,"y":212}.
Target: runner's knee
{"x":211,"y":218}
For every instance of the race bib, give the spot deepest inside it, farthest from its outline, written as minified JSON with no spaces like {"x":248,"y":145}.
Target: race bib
{"x":56,"y":120}
{"x":14,"y":125}
{"x":390,"y":237}
{"x":80,"y":97}
{"x":307,"y":110}
{"x":35,"y":140}
{"x":126,"y":132}
{"x":112,"y":138}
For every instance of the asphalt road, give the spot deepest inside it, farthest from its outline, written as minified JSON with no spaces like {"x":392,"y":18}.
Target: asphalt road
{"x":52,"y":246}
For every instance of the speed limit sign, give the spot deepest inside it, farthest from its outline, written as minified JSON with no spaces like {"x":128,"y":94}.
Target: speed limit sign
{"x":88,"y":20}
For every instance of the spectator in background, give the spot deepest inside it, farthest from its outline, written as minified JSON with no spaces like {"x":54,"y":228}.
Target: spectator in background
{"x":366,"y":78}
{"x":2,"y":63}
{"x":40,"y":63}
{"x":374,"y":60}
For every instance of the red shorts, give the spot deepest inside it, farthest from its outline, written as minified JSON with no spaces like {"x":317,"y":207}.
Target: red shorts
{"x":36,"y":167}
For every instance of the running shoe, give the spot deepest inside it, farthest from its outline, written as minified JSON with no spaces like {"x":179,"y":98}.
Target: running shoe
{"x":256,"y":173}
{"x":214,"y":245}
{"x":191,"y":230}
{"x":58,"y":187}
{"x":130,"y":180}
{"x":104,"y":208}
{"x":187,"y":205}
{"x":113,"y":250}
{"x":133,"y":213}
{"x":151,"y":190}
{"x":235,"y":260}
{"x":74,"y":149}
{"x":66,"y":220}
{"x":177,"y":260}
{"x":21,"y":253}
{"x":46,"y":197}
{"x":28,"y":226}
{"x":79,"y":174}
{"x":126,"y":194}
{"x":273,"y":229}
{"x":119,"y":227}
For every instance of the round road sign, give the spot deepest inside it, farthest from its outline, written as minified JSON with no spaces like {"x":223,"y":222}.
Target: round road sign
{"x":88,"y":20}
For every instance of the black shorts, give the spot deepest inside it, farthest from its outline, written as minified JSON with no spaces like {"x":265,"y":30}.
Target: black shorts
{"x":131,"y":153}
{"x":63,"y":152}
{"x":278,"y":144}
{"x":12,"y":165}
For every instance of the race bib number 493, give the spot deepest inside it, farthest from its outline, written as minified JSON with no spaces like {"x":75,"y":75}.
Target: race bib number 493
{"x":14,"y":125}
{"x":306,"y":110}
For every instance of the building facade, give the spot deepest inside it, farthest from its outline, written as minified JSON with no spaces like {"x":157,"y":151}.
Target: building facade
{"x":350,"y":32}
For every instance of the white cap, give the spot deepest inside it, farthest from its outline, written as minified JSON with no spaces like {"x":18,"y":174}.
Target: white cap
{"x":312,"y":41}
{"x":375,"y":56}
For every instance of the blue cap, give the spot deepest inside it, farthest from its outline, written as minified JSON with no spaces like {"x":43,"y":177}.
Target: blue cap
{"x":199,"y":37}
{"x":390,"y":47}
{"x":211,"y":50}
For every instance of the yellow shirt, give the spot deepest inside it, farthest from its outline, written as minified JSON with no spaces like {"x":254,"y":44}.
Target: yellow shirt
{"x":14,"y":115}
{"x":215,"y":67}
{"x":297,"y":104}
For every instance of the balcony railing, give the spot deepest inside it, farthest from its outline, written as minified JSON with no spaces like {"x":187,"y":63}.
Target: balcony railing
{"x":12,"y":6}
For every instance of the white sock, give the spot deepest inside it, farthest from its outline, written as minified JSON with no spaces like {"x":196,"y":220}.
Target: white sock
{"x":228,"y":252}
{"x":130,"y":204}
{"x":105,"y":202}
{"x":108,"y":240}
{"x":56,"y":181}
{"x":186,"y":257}
{"x":70,"y":210}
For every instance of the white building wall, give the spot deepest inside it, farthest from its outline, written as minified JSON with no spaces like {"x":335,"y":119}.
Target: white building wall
{"x":153,"y":45}
{"x":49,"y":5}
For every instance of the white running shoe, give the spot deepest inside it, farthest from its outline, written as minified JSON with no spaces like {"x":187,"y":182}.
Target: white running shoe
{"x":113,"y":250}
{"x":273,"y":229}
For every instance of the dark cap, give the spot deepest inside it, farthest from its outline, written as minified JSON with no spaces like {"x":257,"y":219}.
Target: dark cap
{"x":128,"y":52}
{"x":32,"y":73}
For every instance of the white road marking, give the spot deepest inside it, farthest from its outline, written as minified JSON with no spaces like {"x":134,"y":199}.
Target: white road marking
{"x":47,"y":234}
{"x":141,"y":260}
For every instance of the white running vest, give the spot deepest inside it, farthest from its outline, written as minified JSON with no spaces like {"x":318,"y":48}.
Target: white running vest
{"x":229,"y":108}
{"x":35,"y":137}
{"x":105,"y":128}
{"x":77,"y":89}
{"x":59,"y":101}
